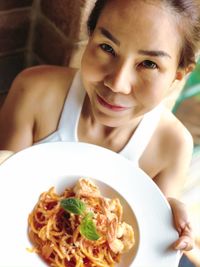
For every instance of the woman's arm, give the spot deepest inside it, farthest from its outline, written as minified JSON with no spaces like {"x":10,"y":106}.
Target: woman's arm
{"x":177,"y":153}
{"x":17,"y":115}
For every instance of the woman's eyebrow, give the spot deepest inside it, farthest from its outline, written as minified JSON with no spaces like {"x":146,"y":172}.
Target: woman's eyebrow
{"x":108,"y":35}
{"x":154,"y":53}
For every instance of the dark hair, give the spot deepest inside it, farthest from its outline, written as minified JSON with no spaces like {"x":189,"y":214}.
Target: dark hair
{"x":94,"y":15}
{"x":188,"y":15}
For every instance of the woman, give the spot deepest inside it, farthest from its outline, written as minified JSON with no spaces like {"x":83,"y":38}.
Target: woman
{"x":136,"y":51}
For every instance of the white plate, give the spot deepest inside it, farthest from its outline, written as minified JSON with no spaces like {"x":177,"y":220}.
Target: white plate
{"x":27,"y":174}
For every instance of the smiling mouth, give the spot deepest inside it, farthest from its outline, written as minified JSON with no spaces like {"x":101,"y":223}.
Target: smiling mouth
{"x":110,"y":106}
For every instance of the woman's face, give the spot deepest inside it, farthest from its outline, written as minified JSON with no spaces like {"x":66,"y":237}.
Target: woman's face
{"x":130,"y":61}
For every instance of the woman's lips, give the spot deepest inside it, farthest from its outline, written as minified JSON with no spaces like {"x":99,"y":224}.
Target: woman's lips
{"x":110,"y":106}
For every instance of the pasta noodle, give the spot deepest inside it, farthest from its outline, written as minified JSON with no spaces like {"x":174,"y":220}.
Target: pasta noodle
{"x":56,"y":233}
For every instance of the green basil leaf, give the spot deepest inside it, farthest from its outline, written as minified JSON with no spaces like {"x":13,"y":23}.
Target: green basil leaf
{"x":73,"y":205}
{"x":88,"y":228}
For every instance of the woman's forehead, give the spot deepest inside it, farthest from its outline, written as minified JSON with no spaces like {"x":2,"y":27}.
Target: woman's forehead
{"x":132,"y":14}
{"x":124,"y":7}
{"x":141,"y":21}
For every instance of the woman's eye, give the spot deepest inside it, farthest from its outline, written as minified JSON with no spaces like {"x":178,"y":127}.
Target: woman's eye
{"x":149,"y":64}
{"x":107,"y":48}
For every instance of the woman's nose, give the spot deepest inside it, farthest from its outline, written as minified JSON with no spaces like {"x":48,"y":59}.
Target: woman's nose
{"x":118,"y":80}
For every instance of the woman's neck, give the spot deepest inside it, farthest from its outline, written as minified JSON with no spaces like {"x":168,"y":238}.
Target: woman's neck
{"x":92,"y":131}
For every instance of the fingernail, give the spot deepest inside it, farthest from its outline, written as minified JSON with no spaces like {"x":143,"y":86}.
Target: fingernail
{"x":181,"y":246}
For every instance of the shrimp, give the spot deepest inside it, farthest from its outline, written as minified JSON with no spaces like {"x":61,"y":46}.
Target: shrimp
{"x":127,"y":237}
{"x":112,"y":208}
{"x":120,"y":236}
{"x":86,"y":188}
{"x":116,"y":207}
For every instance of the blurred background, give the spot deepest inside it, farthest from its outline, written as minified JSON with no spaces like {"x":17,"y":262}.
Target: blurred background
{"x":34,"y":32}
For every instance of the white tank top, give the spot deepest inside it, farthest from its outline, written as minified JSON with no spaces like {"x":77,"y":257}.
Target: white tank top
{"x":68,"y":124}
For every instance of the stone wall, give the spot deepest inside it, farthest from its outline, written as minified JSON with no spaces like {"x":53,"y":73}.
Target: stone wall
{"x":60,"y":31}
{"x":15,"y":17}
{"x":36,"y":32}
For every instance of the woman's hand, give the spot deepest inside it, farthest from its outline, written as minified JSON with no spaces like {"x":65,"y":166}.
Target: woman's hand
{"x":5,"y":154}
{"x":182,"y":224}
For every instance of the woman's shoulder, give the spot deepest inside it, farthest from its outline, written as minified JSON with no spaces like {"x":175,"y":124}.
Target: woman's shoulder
{"x":43,"y":84}
{"x":44,"y":76}
{"x":173,"y":135}
{"x":170,"y":147}
{"x":34,"y":103}
{"x":46,"y":70}
{"x":169,"y":152}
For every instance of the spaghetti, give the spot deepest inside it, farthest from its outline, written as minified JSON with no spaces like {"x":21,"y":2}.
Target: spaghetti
{"x":56,"y":233}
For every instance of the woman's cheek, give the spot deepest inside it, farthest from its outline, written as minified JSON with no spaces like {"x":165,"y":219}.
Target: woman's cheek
{"x":150,"y":91}
{"x":92,"y":57}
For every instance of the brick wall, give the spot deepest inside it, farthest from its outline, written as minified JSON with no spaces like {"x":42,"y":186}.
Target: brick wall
{"x":14,"y":30}
{"x":60,"y":28}
{"x":36,"y":32}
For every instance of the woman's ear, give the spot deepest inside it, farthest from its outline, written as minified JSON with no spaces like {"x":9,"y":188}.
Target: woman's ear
{"x":182,"y":72}
{"x":190,"y":68}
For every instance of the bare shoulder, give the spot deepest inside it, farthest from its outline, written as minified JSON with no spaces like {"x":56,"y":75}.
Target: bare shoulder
{"x":36,"y":88}
{"x":168,"y":155}
{"x":32,"y":107}
{"x":175,"y":149}
{"x":174,"y":135}
{"x":42,"y":71}
{"x":44,"y":76}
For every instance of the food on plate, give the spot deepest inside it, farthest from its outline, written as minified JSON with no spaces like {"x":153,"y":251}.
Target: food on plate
{"x":79,"y":228}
